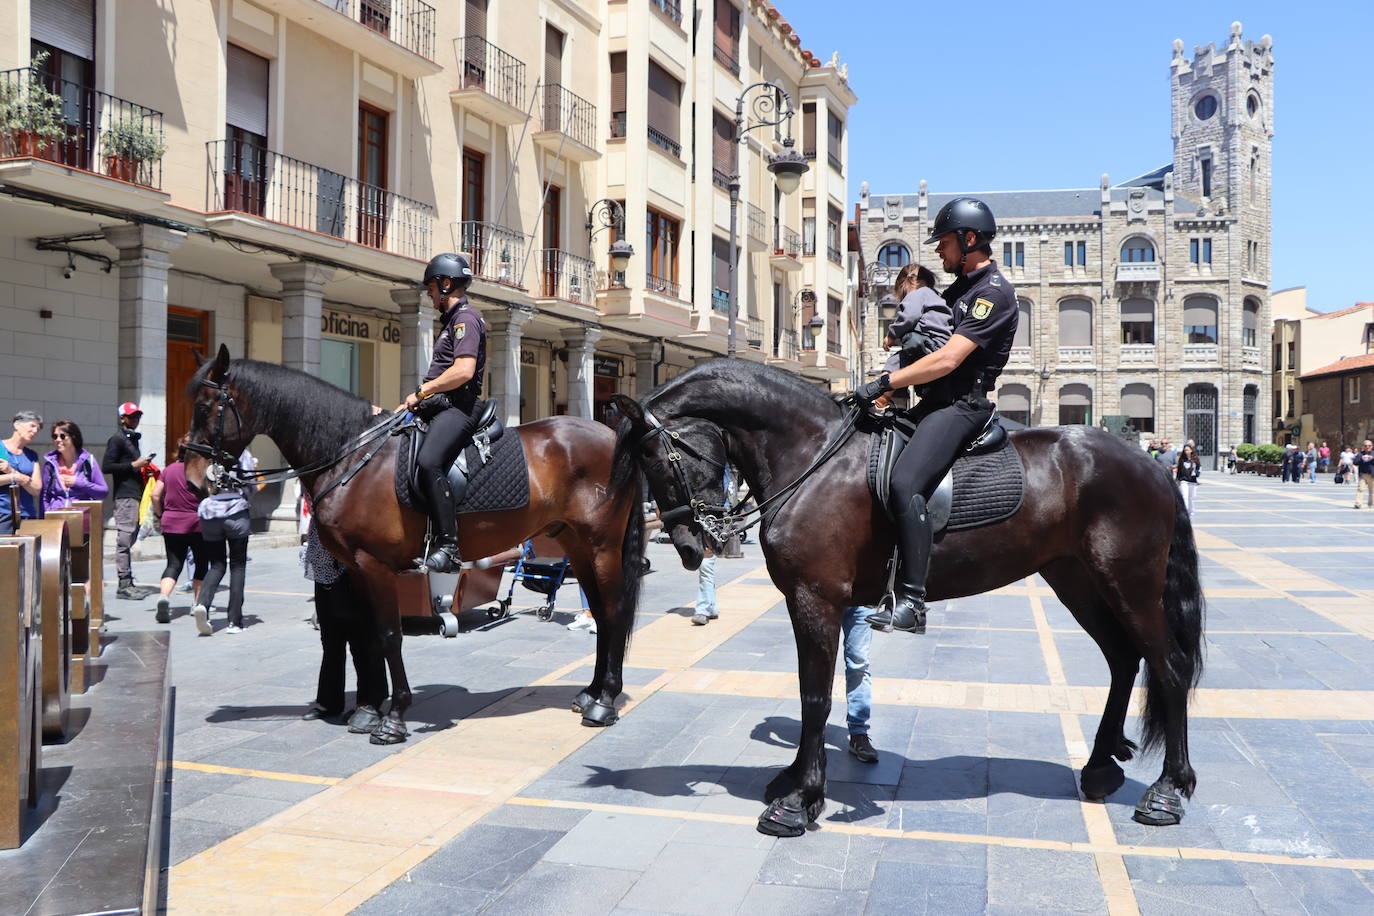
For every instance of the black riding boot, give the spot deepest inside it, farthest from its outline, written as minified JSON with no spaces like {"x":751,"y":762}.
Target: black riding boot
{"x":914,"y":539}
{"x":444,"y":558}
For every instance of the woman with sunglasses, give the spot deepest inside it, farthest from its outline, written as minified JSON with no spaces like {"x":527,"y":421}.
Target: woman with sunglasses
{"x":72,"y":472}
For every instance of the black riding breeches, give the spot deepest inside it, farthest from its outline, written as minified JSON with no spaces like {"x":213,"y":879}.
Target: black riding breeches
{"x":941,"y":434}
{"x":450,"y":431}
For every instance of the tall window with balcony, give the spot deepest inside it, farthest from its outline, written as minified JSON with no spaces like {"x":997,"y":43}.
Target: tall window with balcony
{"x":894,"y":254}
{"x":833,"y":309}
{"x":809,"y":130}
{"x":665,"y":106}
{"x":475,"y":238}
{"x":618,"y":94}
{"x":553,"y":79}
{"x":727,"y":36}
{"x":1200,"y":320}
{"x":1137,"y":321}
{"x":552,"y":226}
{"x":835,"y":150}
{"x":661,"y":233}
{"x":720,"y":274}
{"x":1076,"y":328}
{"x":724,"y":150}
{"x":809,"y":226}
{"x":1249,"y":326}
{"x":63,"y":36}
{"x":245,"y":150}
{"x":1138,"y":251}
{"x":834,"y":226}
{"x":372,"y":168}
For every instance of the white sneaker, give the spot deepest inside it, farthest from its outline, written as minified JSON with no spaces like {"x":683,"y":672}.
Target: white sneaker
{"x":583,"y":622}
{"x":232,"y":628}
{"x":202,"y":615}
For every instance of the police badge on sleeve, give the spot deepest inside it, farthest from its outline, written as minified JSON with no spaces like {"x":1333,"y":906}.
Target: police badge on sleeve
{"x":982,"y":308}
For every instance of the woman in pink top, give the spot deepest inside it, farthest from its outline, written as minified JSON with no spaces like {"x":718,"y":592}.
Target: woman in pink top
{"x":175,"y":502}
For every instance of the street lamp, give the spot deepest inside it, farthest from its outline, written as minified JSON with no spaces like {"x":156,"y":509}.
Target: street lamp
{"x":770,"y":107}
{"x":610,"y":214}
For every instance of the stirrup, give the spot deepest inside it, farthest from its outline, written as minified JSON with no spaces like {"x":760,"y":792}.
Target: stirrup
{"x":444,"y":559}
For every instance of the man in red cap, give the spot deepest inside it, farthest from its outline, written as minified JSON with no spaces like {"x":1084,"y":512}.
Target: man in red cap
{"x":123,"y":466}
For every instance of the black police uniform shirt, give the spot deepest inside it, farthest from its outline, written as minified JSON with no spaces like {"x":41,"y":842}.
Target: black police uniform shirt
{"x":463,"y":333}
{"x":984,"y":310}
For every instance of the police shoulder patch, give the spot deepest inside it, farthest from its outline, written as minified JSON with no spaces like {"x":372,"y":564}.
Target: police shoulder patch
{"x":460,"y":330}
{"x":982,"y":308}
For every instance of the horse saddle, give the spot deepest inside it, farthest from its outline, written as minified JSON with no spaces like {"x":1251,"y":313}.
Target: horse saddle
{"x":985,"y":485}
{"x":490,"y":451}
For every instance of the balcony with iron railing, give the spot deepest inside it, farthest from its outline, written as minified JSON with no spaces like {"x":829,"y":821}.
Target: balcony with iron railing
{"x":834,"y":161}
{"x":666,"y":143}
{"x":408,"y":23}
{"x":720,"y":177}
{"x":758,"y":227}
{"x":832,"y":340}
{"x":834,"y":254}
{"x":671,"y":9}
{"x":492,"y":82}
{"x":66,"y":123}
{"x":785,"y":345}
{"x":568,"y":125}
{"x":567,"y":276}
{"x":250,"y":179}
{"x":720,"y":301}
{"x":786,"y":249}
{"x":653,"y":283}
{"x":496,"y":253}
{"x":728,"y":58}
{"x":754,"y":333}
{"x":397,"y":34}
{"x":618,"y":120}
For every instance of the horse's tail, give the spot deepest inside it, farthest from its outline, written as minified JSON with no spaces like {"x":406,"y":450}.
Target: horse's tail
{"x":1183,"y":613}
{"x":625,"y":487}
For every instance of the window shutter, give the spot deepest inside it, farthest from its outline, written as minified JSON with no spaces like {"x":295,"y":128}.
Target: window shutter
{"x":246,"y":95}
{"x":836,"y":127}
{"x":617,"y":82}
{"x":1013,"y":398}
{"x":68,"y":25}
{"x":1076,"y":323}
{"x":1023,"y":325}
{"x":1199,"y":311}
{"x":477,"y":18}
{"x":723,"y":147}
{"x":665,"y":94}
{"x":1137,"y":310}
{"x":1138,"y":400}
{"x":720,"y":256}
{"x":809,"y":129}
{"x":553,"y":56}
{"x":1075,"y":396}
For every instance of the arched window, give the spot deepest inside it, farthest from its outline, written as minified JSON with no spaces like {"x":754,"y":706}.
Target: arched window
{"x":1023,"y":323}
{"x":1200,"y":320}
{"x":1138,"y":403}
{"x":1076,"y":323}
{"x":1249,"y":328}
{"x":1138,"y":250}
{"x":1249,"y":399}
{"x":1075,"y":405}
{"x":1013,"y":403}
{"x":894,"y":254}
{"x":1137,"y":321}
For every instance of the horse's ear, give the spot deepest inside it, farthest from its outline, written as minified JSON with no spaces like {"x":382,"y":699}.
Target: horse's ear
{"x":629,"y":407}
{"x":221,"y":367}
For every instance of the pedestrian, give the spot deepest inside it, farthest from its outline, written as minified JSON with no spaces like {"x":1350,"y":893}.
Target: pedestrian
{"x":1323,"y":457}
{"x":1310,"y":458}
{"x":706,"y":609}
{"x":1297,"y":456}
{"x":858,"y":682}
{"x":345,"y":623}
{"x":175,"y":504}
{"x":71,"y":472}
{"x":1231,"y":456}
{"x":1364,"y":475}
{"x":21,"y":475}
{"x":123,"y":465}
{"x":1186,"y":472}
{"x":225,"y":524}
{"x":1346,"y":470}
{"x":1166,"y":455}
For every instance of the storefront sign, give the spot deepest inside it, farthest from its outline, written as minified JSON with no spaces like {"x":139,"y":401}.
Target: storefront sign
{"x":527,"y":357}
{"x":608,"y":365}
{"x":359,"y":327}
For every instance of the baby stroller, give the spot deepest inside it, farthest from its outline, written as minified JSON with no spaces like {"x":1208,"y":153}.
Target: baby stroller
{"x":538,"y":575}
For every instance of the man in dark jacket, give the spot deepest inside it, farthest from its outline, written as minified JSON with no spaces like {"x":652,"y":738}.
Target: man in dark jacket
{"x":123,"y":467}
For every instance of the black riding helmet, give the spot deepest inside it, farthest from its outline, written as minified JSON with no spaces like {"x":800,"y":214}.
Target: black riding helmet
{"x":448,"y":266}
{"x":964,"y":214}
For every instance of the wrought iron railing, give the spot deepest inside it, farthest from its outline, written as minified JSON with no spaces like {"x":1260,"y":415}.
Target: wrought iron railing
{"x":670,"y":8}
{"x":832,"y":339}
{"x":833,"y":253}
{"x":496,"y":253}
{"x":488,"y":68}
{"x":656,"y":284}
{"x":758,"y":225}
{"x":754,"y":339}
{"x":664,"y":142}
{"x":44,"y":117}
{"x":618,"y":124}
{"x":835,"y":162}
{"x":787,"y":242}
{"x":569,"y":113}
{"x":252,"y":179}
{"x":785,"y":345}
{"x":566,"y":276}
{"x":720,"y":177}
{"x":409,"y":23}
{"x":720,"y":301}
{"x":728,"y":58}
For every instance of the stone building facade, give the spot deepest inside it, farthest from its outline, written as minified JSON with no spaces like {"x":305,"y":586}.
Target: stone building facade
{"x":1339,"y":401}
{"x":1149,"y":298}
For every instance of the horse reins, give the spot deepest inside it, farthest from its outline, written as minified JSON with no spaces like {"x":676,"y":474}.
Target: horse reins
{"x":723,"y":522}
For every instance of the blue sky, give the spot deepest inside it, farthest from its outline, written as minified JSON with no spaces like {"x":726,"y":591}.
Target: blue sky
{"x":1051,"y":95}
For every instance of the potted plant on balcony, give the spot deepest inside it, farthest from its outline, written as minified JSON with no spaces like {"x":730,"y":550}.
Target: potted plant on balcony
{"x":128,"y":144}
{"x":30,"y":115}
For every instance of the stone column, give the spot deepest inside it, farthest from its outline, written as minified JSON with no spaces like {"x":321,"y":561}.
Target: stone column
{"x":581,"y":342}
{"x":503,"y":360}
{"x":145,"y":255}
{"x":646,"y":358}
{"x":417,"y":334}
{"x":302,"y":289}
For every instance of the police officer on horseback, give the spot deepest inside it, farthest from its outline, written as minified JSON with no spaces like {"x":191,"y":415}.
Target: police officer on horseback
{"x":448,"y":397}
{"x":953,"y":383}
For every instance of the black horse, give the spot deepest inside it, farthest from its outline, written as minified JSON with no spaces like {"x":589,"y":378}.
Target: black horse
{"x":1101,"y":522}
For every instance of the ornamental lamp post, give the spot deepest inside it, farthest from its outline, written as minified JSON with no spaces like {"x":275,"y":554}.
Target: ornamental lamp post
{"x":770,"y":107}
{"x":610,"y":215}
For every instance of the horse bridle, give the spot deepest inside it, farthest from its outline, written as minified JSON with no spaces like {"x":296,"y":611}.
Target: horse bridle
{"x":722,"y":522}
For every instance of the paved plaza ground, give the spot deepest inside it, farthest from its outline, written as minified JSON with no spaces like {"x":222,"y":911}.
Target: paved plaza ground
{"x":501,"y":802}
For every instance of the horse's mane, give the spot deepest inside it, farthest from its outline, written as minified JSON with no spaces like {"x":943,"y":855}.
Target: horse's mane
{"x":305,"y":415}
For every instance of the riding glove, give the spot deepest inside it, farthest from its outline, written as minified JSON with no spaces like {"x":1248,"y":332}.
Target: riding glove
{"x":871,"y":390}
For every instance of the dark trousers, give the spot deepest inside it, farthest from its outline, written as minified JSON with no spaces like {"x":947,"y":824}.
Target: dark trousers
{"x":176,"y":546}
{"x":238,"y":574}
{"x":450,"y":431}
{"x":942,"y":431}
{"x":344,"y":622}
{"x":126,"y":526}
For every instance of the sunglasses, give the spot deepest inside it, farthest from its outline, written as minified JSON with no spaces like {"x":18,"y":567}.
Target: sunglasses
{"x":57,"y":436}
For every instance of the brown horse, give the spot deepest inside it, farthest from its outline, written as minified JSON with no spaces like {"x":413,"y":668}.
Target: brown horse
{"x":366,"y":528}
{"x":1100,"y":521}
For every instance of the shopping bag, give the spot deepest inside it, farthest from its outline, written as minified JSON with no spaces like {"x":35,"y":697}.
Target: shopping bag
{"x":147,"y":522}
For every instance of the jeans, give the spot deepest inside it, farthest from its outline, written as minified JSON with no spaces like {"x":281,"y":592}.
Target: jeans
{"x":706,"y":587}
{"x":233,"y":529}
{"x":858,"y":683}
{"x":1189,"y":490}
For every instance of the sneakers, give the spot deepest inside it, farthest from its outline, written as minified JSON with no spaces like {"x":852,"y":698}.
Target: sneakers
{"x":127,"y":591}
{"x":233,"y":628}
{"x":583,"y":622}
{"x":700,"y":620}
{"x":863,"y":749}
{"x":202,"y":615}
{"x":185,"y":589}
{"x":164,"y":610}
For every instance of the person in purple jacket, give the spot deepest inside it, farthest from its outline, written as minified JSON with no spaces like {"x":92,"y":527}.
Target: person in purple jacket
{"x":72,"y":473}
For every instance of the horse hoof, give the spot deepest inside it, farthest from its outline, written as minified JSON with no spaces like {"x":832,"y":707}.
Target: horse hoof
{"x":1100,"y":781}
{"x":390,"y":731}
{"x":1159,"y":808}
{"x":582,"y":701}
{"x":782,"y":820}
{"x":599,"y":715}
